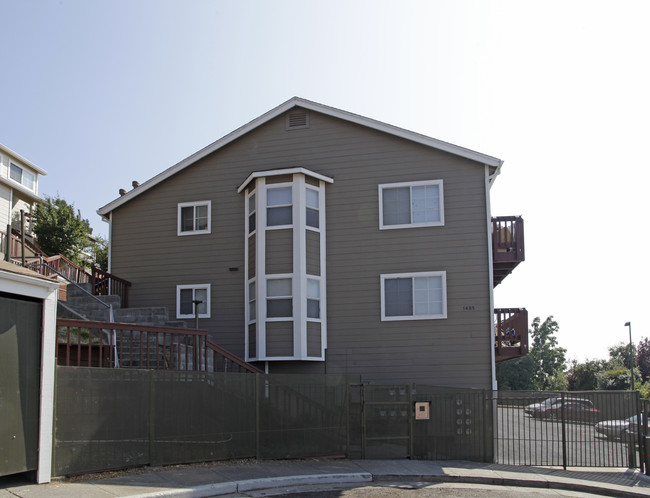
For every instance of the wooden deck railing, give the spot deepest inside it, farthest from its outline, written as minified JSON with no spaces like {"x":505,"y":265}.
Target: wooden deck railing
{"x":511,"y":330}
{"x":105,"y":283}
{"x":129,"y":345}
{"x":15,"y":245}
{"x":508,"y":238}
{"x":507,"y":246}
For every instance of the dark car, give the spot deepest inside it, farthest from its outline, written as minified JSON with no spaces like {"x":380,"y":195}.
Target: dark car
{"x":576,"y":411}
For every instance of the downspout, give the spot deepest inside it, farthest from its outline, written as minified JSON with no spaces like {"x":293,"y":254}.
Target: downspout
{"x":489,"y":179}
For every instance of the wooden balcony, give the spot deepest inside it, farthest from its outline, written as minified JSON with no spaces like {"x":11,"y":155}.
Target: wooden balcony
{"x":511,"y":333}
{"x":507,"y":246}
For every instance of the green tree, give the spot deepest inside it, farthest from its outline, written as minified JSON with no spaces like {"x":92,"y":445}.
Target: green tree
{"x":549,"y":358}
{"x":583,"y":376}
{"x":59,"y":230}
{"x":643,"y":358}
{"x":617,"y":379}
{"x":516,"y":375}
{"x":100,"y":253}
{"x":621,"y":355}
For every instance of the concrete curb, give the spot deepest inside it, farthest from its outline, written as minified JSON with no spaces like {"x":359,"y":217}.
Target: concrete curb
{"x":225,"y":488}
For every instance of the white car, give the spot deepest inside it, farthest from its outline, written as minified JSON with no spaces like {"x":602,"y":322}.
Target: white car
{"x":615,"y":429}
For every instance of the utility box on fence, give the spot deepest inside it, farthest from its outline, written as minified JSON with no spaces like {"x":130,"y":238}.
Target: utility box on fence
{"x":422,"y":410}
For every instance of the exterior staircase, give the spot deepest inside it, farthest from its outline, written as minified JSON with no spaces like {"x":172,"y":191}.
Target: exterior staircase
{"x":82,"y":305}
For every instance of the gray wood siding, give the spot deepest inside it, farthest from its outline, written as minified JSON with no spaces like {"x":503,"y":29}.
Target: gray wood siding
{"x":279,"y":251}
{"x":314,"y":344}
{"x":279,"y":338}
{"x":454,"y":351}
{"x":313,"y":252}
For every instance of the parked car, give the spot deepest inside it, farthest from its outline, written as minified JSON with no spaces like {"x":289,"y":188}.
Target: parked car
{"x":530,"y":409}
{"x":539,"y":409}
{"x":574,"y":410}
{"x":616,"y":429}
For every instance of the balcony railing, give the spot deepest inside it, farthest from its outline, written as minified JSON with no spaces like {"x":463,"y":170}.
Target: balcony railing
{"x":129,"y":345}
{"x":507,"y":245}
{"x":511,"y":333}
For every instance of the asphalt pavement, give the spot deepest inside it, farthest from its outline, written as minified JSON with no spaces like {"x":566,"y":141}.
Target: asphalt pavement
{"x":250,"y":476}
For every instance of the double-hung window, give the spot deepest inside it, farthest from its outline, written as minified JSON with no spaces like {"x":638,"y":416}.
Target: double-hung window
{"x":186,"y":295}
{"x":279,"y":206}
{"x":414,"y":296}
{"x":194,"y":217}
{"x":312,"y":215}
{"x":408,"y":205}
{"x":279,"y":298}
{"x":313,"y":298}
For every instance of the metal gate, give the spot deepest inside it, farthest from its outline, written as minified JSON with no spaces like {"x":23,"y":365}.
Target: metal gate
{"x":20,"y":360}
{"x":570,"y":429}
{"x":423,"y":422}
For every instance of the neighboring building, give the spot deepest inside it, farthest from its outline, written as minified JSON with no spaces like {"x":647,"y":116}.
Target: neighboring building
{"x":321,"y":241}
{"x":18,"y":191}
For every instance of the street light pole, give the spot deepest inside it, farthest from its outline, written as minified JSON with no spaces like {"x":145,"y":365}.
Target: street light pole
{"x":629,"y":327}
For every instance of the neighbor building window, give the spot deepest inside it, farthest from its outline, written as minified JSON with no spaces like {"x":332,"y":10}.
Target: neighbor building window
{"x":185,"y":297}
{"x":414,"y":296}
{"x":407,"y":205}
{"x":194,"y":218}
{"x":22,"y":176}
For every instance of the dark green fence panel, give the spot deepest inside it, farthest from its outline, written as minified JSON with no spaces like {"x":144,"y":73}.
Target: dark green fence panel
{"x":101,"y":419}
{"x":202,"y":416}
{"x":302,"y":415}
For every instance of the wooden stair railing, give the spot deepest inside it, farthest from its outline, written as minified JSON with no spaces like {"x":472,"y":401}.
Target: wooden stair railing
{"x":131,"y":345}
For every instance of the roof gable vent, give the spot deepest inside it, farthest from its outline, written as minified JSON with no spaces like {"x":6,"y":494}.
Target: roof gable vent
{"x":297,"y":119}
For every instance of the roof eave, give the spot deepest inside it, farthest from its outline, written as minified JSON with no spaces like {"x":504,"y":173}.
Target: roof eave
{"x":277,"y":111}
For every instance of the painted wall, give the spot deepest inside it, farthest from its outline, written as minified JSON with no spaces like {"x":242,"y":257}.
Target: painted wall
{"x":454,"y":351}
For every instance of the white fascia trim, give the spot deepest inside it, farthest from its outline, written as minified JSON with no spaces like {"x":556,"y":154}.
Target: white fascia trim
{"x":273,"y":113}
{"x":26,"y":285}
{"x":284,"y":171}
{"x":21,"y":159}
{"x":23,"y":190}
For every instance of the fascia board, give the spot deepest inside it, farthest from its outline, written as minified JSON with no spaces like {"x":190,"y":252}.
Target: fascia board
{"x":283,"y":171}
{"x":482,"y":159}
{"x":21,"y":159}
{"x":28,"y":193}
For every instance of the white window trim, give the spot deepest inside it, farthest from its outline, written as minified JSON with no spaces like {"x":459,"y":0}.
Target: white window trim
{"x":280,"y":276}
{"x":178,"y":301}
{"x":266,"y":205}
{"x":411,"y":184}
{"x":181,"y":205}
{"x":389,"y":276}
{"x":11,"y":163}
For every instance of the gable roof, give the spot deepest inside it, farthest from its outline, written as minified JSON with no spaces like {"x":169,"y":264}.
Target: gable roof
{"x":281,"y":109}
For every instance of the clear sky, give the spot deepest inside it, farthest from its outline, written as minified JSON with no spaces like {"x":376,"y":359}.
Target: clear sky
{"x":101,"y":93}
